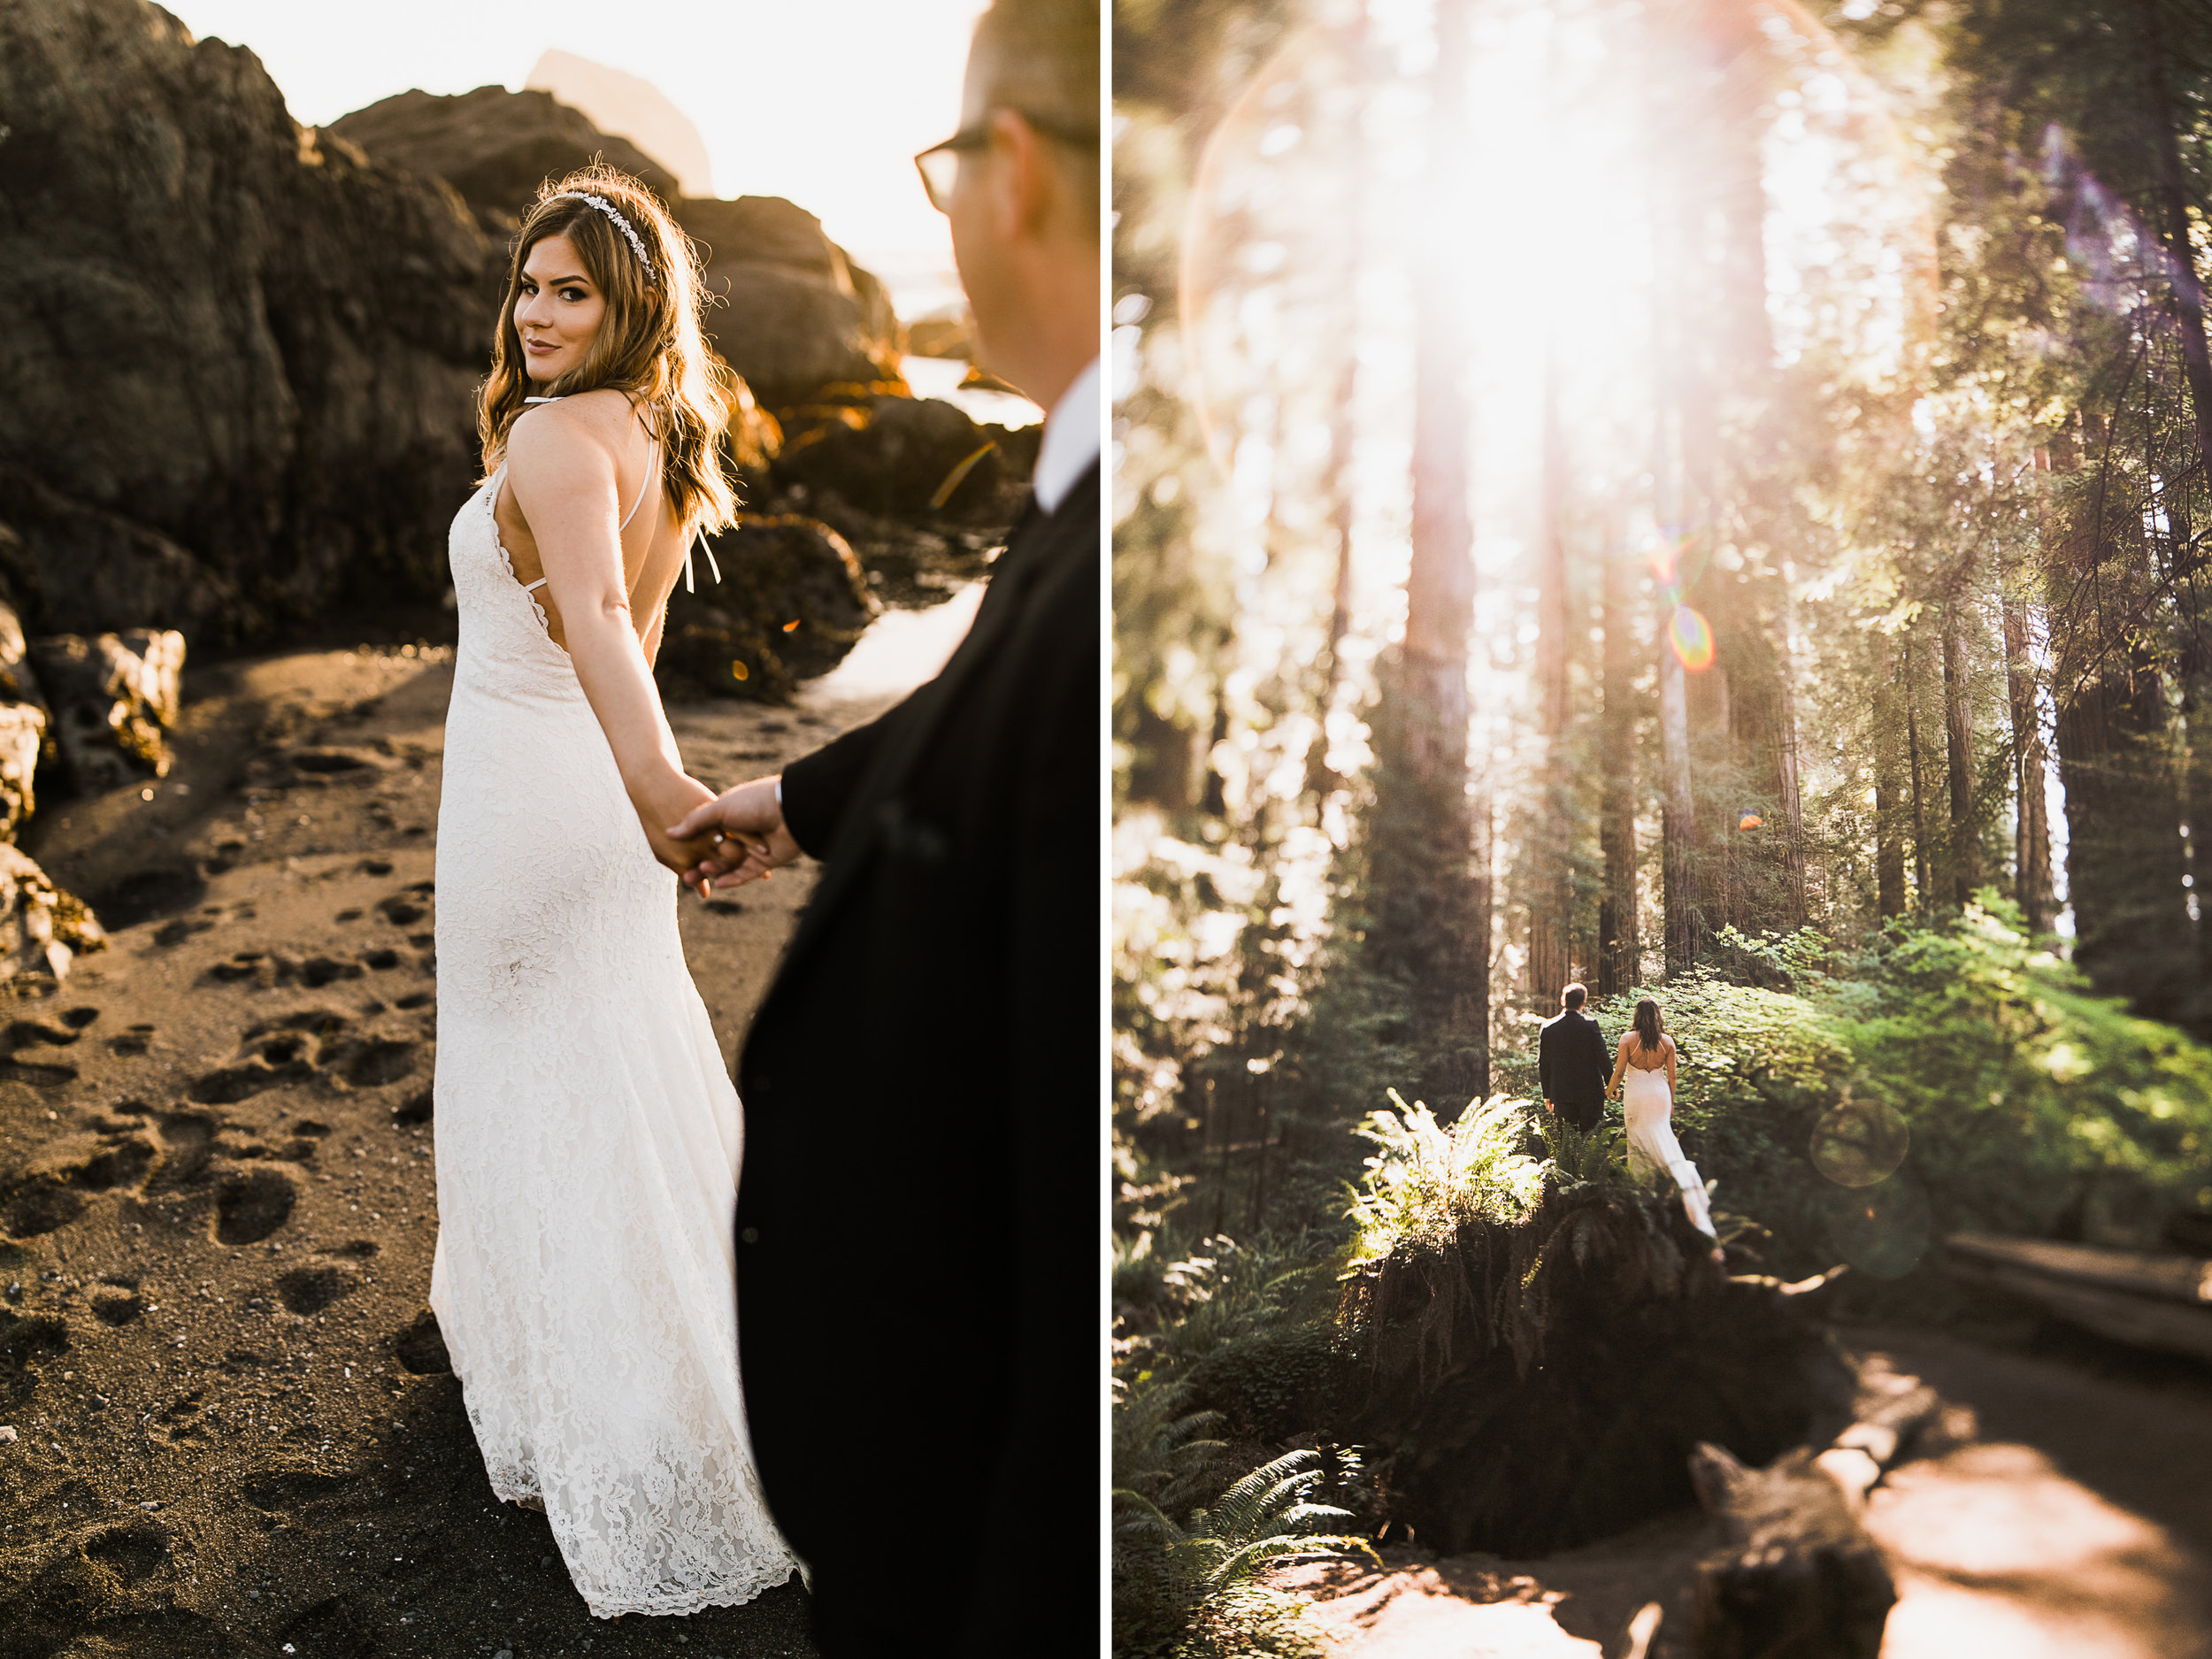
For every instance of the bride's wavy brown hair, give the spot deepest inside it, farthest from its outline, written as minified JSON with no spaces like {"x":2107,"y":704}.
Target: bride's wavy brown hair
{"x":1648,"y":1026}
{"x":649,"y":345}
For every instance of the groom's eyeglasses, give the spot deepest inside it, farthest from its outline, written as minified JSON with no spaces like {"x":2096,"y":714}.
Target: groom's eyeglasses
{"x":939,"y":163}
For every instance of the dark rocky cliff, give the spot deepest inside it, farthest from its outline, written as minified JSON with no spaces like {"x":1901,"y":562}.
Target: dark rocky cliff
{"x":237,"y":357}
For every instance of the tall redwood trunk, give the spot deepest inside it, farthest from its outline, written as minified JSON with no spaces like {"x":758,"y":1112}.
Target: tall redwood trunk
{"x":2032,"y":830}
{"x":1671,"y":504}
{"x":1962,"y":844}
{"x":1551,"y":900}
{"x":1432,"y":925}
{"x":1343,"y":437}
{"x":1923,"y":896}
{"x":2185,"y":299}
{"x":1619,"y":946}
{"x":1889,"y":839}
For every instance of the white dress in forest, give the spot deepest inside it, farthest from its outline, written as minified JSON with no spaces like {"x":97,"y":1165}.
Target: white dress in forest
{"x":587,"y":1138}
{"x":1648,"y":1106}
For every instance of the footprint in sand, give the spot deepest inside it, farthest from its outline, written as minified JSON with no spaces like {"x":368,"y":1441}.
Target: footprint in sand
{"x":131,"y":1553}
{"x":23,"y":1344}
{"x":307,"y":1290}
{"x":277,"y":1489}
{"x":420,"y":1347}
{"x":189,"y":1140}
{"x":118,"y":1310}
{"x":250,"y":1207}
{"x":134,"y":1041}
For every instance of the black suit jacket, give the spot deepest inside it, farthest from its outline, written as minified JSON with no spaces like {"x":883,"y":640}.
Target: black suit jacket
{"x":917,"y":1219}
{"x":1571,"y":1064}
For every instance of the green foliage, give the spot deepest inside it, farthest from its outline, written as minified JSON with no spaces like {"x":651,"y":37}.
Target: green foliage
{"x":2024,"y":1098}
{"x":1191,"y":1586}
{"x":1269,"y":1384}
{"x":1425,"y":1179}
{"x":2024,"y":1093}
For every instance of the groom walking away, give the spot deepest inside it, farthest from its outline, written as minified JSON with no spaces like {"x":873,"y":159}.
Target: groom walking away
{"x":1571,"y":1061}
{"x":917,"y":1255}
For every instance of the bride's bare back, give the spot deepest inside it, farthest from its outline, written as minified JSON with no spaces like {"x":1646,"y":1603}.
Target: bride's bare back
{"x":637,"y":520}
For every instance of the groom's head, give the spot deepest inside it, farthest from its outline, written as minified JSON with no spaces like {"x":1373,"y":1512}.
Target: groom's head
{"x":1574,"y":996}
{"x":1024,"y":203}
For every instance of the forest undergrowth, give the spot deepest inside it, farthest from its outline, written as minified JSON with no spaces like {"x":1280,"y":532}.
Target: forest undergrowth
{"x":1846,"y":1108}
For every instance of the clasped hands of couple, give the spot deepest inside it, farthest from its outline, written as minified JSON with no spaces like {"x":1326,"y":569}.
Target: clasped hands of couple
{"x":737,"y":837}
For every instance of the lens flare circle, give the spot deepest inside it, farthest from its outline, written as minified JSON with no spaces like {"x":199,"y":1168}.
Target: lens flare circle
{"x":1859,"y":1143}
{"x":1691,"y":637}
{"x":1881,"y":1230}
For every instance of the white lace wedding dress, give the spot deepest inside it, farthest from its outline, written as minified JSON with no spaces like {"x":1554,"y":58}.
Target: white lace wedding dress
{"x":1647,"y":1106}
{"x":587,"y":1139}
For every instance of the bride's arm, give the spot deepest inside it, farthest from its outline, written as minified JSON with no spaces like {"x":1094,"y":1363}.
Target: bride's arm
{"x":1670,"y":1067}
{"x":564,"y":481}
{"x":1620,"y":1065}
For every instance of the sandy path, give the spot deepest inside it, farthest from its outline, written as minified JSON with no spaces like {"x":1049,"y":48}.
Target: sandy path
{"x":235,"y":1435}
{"x":2074,"y":1523}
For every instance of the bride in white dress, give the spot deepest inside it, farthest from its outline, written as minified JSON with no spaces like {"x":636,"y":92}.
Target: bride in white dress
{"x":1646,"y":1062}
{"x":587,"y":1133}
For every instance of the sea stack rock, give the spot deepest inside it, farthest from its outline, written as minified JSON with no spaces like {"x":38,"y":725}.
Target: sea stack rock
{"x":803,"y":324}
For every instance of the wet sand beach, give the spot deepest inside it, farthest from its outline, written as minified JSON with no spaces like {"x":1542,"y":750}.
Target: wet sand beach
{"x":234,"y":1430}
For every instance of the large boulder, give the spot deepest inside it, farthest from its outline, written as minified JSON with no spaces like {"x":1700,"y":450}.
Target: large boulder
{"x":795,"y":315}
{"x":907,"y":457}
{"x":77,"y":569}
{"x":242,"y":338}
{"x":793,"y":600}
{"x":493,"y":146}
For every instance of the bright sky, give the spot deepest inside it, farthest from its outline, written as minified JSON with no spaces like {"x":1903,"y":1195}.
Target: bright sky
{"x":824,"y":102}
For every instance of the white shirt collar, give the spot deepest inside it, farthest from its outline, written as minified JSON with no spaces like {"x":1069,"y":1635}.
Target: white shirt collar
{"x":1071,"y":441}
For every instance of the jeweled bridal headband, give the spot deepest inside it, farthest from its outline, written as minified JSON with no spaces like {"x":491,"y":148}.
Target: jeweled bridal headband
{"x":615,"y":213}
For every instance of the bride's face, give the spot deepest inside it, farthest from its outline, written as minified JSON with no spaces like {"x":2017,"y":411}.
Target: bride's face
{"x":558,"y":310}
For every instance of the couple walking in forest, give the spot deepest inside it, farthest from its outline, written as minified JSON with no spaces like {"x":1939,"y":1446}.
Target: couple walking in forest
{"x":918,"y":1108}
{"x":1571,"y":1070}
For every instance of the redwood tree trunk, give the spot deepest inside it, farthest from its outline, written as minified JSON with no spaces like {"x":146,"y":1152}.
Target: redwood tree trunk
{"x":1431,"y":930}
{"x":1962,"y":843}
{"x":1548,"y":859}
{"x":1923,"y":899}
{"x":1889,"y":839}
{"x":2032,"y":830}
{"x":1618,"y":943}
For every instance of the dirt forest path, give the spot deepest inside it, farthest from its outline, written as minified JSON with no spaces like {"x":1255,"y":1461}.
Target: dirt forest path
{"x":2071,"y":1518}
{"x":233,"y":1429}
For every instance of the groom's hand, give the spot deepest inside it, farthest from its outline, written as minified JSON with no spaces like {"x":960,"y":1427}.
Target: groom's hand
{"x":1549,"y":1107}
{"x":750,"y":838}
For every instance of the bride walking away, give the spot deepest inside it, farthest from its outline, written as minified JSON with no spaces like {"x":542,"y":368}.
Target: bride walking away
{"x":587,"y":1133}
{"x":1646,"y":1062}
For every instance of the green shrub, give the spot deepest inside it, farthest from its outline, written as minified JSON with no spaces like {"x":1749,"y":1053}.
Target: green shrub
{"x":2019,"y":1098}
{"x":1271,"y":1385}
{"x":1191,"y":1588}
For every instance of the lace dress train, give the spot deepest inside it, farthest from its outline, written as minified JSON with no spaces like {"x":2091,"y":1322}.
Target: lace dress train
{"x":587,"y":1139}
{"x":1647,"y":1104}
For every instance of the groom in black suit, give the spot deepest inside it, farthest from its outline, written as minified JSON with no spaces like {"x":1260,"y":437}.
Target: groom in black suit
{"x":1571,"y":1064}
{"x":918,"y":1221}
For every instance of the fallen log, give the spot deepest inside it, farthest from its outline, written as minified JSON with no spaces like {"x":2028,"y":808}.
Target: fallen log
{"x":1798,"y":1577}
{"x":2158,"y":1301}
